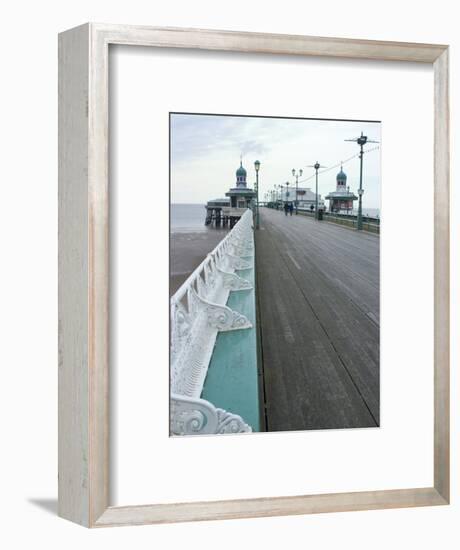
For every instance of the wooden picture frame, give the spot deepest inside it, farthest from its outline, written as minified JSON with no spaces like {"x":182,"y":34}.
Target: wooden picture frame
{"x":84,"y":273}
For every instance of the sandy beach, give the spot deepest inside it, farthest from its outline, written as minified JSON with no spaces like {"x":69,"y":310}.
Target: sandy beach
{"x":188,"y":250}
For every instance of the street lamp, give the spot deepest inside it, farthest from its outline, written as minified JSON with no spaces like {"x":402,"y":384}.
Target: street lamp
{"x":257,"y":166}
{"x":316,"y":166}
{"x":287,"y":191}
{"x":297,"y":175}
{"x":361,"y":141}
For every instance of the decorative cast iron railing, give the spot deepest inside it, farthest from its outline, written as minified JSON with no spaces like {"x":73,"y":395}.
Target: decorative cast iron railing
{"x":198,"y":313}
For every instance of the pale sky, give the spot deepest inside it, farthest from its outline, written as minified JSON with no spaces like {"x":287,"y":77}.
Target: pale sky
{"x":205,"y":153}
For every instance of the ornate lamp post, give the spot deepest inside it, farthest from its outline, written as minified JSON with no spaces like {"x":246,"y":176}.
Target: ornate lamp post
{"x":316,"y":166}
{"x":257,"y":167}
{"x":361,"y":141}
{"x":297,"y":175}
{"x":286,"y":196}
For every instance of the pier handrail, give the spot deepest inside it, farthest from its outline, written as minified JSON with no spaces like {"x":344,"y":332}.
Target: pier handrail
{"x":182,"y":290}
{"x":198,"y":313}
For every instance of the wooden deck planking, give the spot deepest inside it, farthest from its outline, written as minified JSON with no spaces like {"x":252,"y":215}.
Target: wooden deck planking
{"x":319,"y":316}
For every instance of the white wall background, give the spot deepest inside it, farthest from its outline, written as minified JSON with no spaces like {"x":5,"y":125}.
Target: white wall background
{"x":401,"y":95}
{"x":28,"y":305}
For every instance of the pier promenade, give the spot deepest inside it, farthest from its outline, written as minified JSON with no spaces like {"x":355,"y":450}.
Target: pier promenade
{"x":318,"y":317}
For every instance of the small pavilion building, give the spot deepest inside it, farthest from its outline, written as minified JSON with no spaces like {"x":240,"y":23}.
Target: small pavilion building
{"x":232,"y":207}
{"x":341,"y":200}
{"x":307,"y":198}
{"x":240,"y":195}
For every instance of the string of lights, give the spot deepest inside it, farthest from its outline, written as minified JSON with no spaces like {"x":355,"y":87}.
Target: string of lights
{"x":339,"y":164}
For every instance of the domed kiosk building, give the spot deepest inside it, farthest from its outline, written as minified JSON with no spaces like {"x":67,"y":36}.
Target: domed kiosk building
{"x":238,"y":199}
{"x":241,"y":196}
{"x":341,"y":200}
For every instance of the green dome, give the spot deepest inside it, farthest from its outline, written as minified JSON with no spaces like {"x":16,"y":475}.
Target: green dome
{"x":341,"y":175}
{"x":241,"y":171}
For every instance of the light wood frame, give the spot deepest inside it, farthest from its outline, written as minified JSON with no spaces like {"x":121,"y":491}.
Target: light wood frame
{"x":84,"y":274}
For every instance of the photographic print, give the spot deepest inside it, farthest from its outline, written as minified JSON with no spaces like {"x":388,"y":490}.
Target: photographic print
{"x":274,"y":274}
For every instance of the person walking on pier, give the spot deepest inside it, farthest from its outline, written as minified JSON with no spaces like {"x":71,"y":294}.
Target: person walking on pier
{"x":291,"y":208}
{"x":286,"y":208}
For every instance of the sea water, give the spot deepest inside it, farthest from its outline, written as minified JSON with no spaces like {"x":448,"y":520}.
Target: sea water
{"x":188,"y":218}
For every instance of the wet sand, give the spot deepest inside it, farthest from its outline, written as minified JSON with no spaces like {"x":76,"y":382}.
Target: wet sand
{"x":188,"y":250}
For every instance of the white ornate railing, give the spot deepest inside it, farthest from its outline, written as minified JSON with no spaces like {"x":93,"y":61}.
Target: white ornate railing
{"x":197,"y":416}
{"x":198,"y":313}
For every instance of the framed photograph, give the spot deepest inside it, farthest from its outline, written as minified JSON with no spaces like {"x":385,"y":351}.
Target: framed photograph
{"x":251,"y":321}
{"x":296,"y":341}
